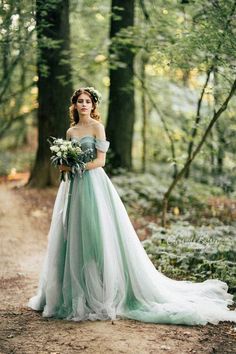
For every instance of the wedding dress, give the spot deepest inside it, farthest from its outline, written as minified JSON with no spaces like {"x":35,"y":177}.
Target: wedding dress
{"x":95,"y":267}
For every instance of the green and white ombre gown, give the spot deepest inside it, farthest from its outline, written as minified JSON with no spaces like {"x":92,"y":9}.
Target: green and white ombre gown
{"x":95,"y":267}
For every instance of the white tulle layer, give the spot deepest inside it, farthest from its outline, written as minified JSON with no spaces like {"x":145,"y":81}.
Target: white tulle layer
{"x":101,"y":270}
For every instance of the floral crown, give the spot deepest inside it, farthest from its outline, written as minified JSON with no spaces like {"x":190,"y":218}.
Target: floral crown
{"x":94,"y":93}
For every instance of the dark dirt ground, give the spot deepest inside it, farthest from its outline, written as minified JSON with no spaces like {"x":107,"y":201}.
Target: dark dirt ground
{"x":24,"y":222}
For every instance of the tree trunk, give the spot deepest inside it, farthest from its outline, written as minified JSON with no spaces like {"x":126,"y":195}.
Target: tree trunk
{"x":212,"y":152}
{"x":144,"y":61}
{"x":221,"y":149}
{"x":181,"y":173}
{"x":54,"y":84}
{"x":197,"y":119}
{"x":154,"y":104}
{"x":121,"y":112}
{"x":219,"y":130}
{"x":212,"y":68}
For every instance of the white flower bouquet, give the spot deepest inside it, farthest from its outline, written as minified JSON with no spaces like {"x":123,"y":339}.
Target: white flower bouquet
{"x":69,"y":153}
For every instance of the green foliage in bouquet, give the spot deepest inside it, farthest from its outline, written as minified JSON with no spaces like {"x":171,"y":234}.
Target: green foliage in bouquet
{"x":69,"y":153}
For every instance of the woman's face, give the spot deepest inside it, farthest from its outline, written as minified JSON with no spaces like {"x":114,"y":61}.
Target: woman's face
{"x":84,"y":104}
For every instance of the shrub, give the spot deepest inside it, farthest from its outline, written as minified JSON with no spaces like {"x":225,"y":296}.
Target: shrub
{"x":194,"y":253}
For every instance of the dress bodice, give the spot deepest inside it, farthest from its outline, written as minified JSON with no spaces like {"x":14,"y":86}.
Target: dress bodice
{"x":91,"y":142}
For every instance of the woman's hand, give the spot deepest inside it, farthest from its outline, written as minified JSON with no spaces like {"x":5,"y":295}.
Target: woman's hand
{"x":64,"y":168}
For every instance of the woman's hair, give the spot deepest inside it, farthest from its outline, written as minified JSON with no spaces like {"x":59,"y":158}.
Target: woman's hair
{"x":74,"y":115}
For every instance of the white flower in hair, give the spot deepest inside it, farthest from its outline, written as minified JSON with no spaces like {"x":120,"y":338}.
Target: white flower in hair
{"x":95,"y":93}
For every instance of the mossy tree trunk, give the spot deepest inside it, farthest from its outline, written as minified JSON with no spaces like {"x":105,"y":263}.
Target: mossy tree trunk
{"x":121,"y":112}
{"x":54,"y":84}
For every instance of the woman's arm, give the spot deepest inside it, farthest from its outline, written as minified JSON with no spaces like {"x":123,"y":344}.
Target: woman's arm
{"x":68,"y":136}
{"x":64,"y":167}
{"x":101,"y":156}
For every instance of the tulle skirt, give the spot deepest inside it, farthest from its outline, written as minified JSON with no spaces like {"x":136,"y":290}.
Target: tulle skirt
{"x":95,"y":267}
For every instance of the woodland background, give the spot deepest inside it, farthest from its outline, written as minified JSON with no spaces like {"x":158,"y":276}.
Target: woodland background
{"x":166,"y":71}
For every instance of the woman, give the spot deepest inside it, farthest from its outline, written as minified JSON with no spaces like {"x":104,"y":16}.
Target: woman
{"x":95,"y":267}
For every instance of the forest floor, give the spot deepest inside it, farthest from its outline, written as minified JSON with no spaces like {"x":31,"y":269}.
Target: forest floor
{"x":24,"y":222}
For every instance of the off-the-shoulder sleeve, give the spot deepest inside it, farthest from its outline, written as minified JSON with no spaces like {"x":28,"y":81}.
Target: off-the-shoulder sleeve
{"x":102,"y":145}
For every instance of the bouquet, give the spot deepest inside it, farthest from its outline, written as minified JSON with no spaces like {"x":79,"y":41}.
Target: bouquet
{"x":69,"y":153}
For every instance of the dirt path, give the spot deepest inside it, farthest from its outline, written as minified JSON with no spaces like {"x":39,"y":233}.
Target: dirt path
{"x":23,"y":242}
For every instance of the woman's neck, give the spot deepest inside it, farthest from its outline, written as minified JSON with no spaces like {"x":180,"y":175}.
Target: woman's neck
{"x":84,"y":121}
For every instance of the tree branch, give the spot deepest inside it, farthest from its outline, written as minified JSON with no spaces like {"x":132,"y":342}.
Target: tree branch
{"x":12,"y":120}
{"x":216,"y":116}
{"x":168,"y":133}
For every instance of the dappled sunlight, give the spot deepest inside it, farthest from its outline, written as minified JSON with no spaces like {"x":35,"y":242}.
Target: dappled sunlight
{"x":18,"y":176}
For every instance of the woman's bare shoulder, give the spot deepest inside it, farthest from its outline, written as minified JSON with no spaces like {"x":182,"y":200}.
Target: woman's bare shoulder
{"x":100,"y":130}
{"x":69,"y":131}
{"x":97,"y":124}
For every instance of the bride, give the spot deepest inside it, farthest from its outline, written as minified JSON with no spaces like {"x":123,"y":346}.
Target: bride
{"x":95,"y":267}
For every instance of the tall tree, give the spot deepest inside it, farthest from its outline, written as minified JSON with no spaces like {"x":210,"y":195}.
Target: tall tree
{"x":226,"y":27}
{"x":54,"y":83}
{"x":16,"y":79}
{"x":198,"y":148}
{"x":121,"y":112}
